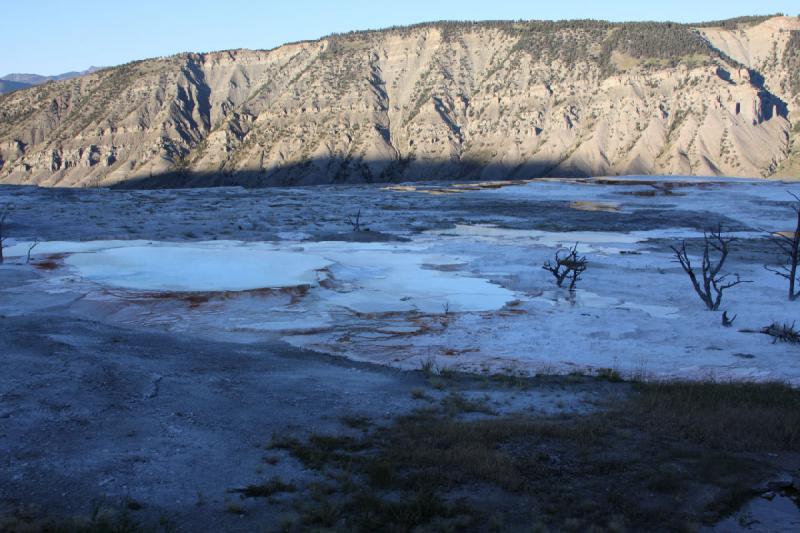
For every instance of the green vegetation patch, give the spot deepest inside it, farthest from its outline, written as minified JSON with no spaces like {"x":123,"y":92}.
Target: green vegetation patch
{"x":736,"y":22}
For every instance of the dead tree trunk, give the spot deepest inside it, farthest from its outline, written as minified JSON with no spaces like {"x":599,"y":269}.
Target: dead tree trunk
{"x":3,"y":216}
{"x":726,"y":320}
{"x":712,"y":283}
{"x":789,"y":245}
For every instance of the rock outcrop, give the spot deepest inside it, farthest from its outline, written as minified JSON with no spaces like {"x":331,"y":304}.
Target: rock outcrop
{"x":434,"y":101}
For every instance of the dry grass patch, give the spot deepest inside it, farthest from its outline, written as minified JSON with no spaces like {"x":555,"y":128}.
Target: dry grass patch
{"x":727,"y":416}
{"x":666,"y":457}
{"x":265,"y":490}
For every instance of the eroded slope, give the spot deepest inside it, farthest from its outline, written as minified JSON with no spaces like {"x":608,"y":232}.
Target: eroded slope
{"x":434,"y":101}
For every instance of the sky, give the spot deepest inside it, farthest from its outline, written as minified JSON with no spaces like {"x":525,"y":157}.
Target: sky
{"x":54,"y":36}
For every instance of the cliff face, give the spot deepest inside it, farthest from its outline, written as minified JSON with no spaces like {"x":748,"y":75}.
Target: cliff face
{"x":436,"y":101}
{"x":772,"y":50}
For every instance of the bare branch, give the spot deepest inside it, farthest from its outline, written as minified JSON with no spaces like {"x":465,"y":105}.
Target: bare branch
{"x":778,"y":271}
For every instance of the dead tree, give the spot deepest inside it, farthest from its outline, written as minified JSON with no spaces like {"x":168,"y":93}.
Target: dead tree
{"x":3,"y":216}
{"x":355,"y":221}
{"x":713,"y":282}
{"x":31,"y":246}
{"x":789,"y":245}
{"x":567,"y":267}
{"x":782,"y":332}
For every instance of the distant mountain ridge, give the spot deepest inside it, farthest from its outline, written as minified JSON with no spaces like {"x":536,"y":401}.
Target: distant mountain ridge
{"x":434,"y":101}
{"x":6,"y":86}
{"x":16,"y":81}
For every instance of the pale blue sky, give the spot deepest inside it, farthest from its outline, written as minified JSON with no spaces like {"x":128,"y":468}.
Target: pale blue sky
{"x":54,"y":36}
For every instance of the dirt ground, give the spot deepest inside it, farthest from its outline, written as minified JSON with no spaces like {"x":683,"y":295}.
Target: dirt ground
{"x":139,"y":427}
{"x":97,"y":415}
{"x":105,"y":427}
